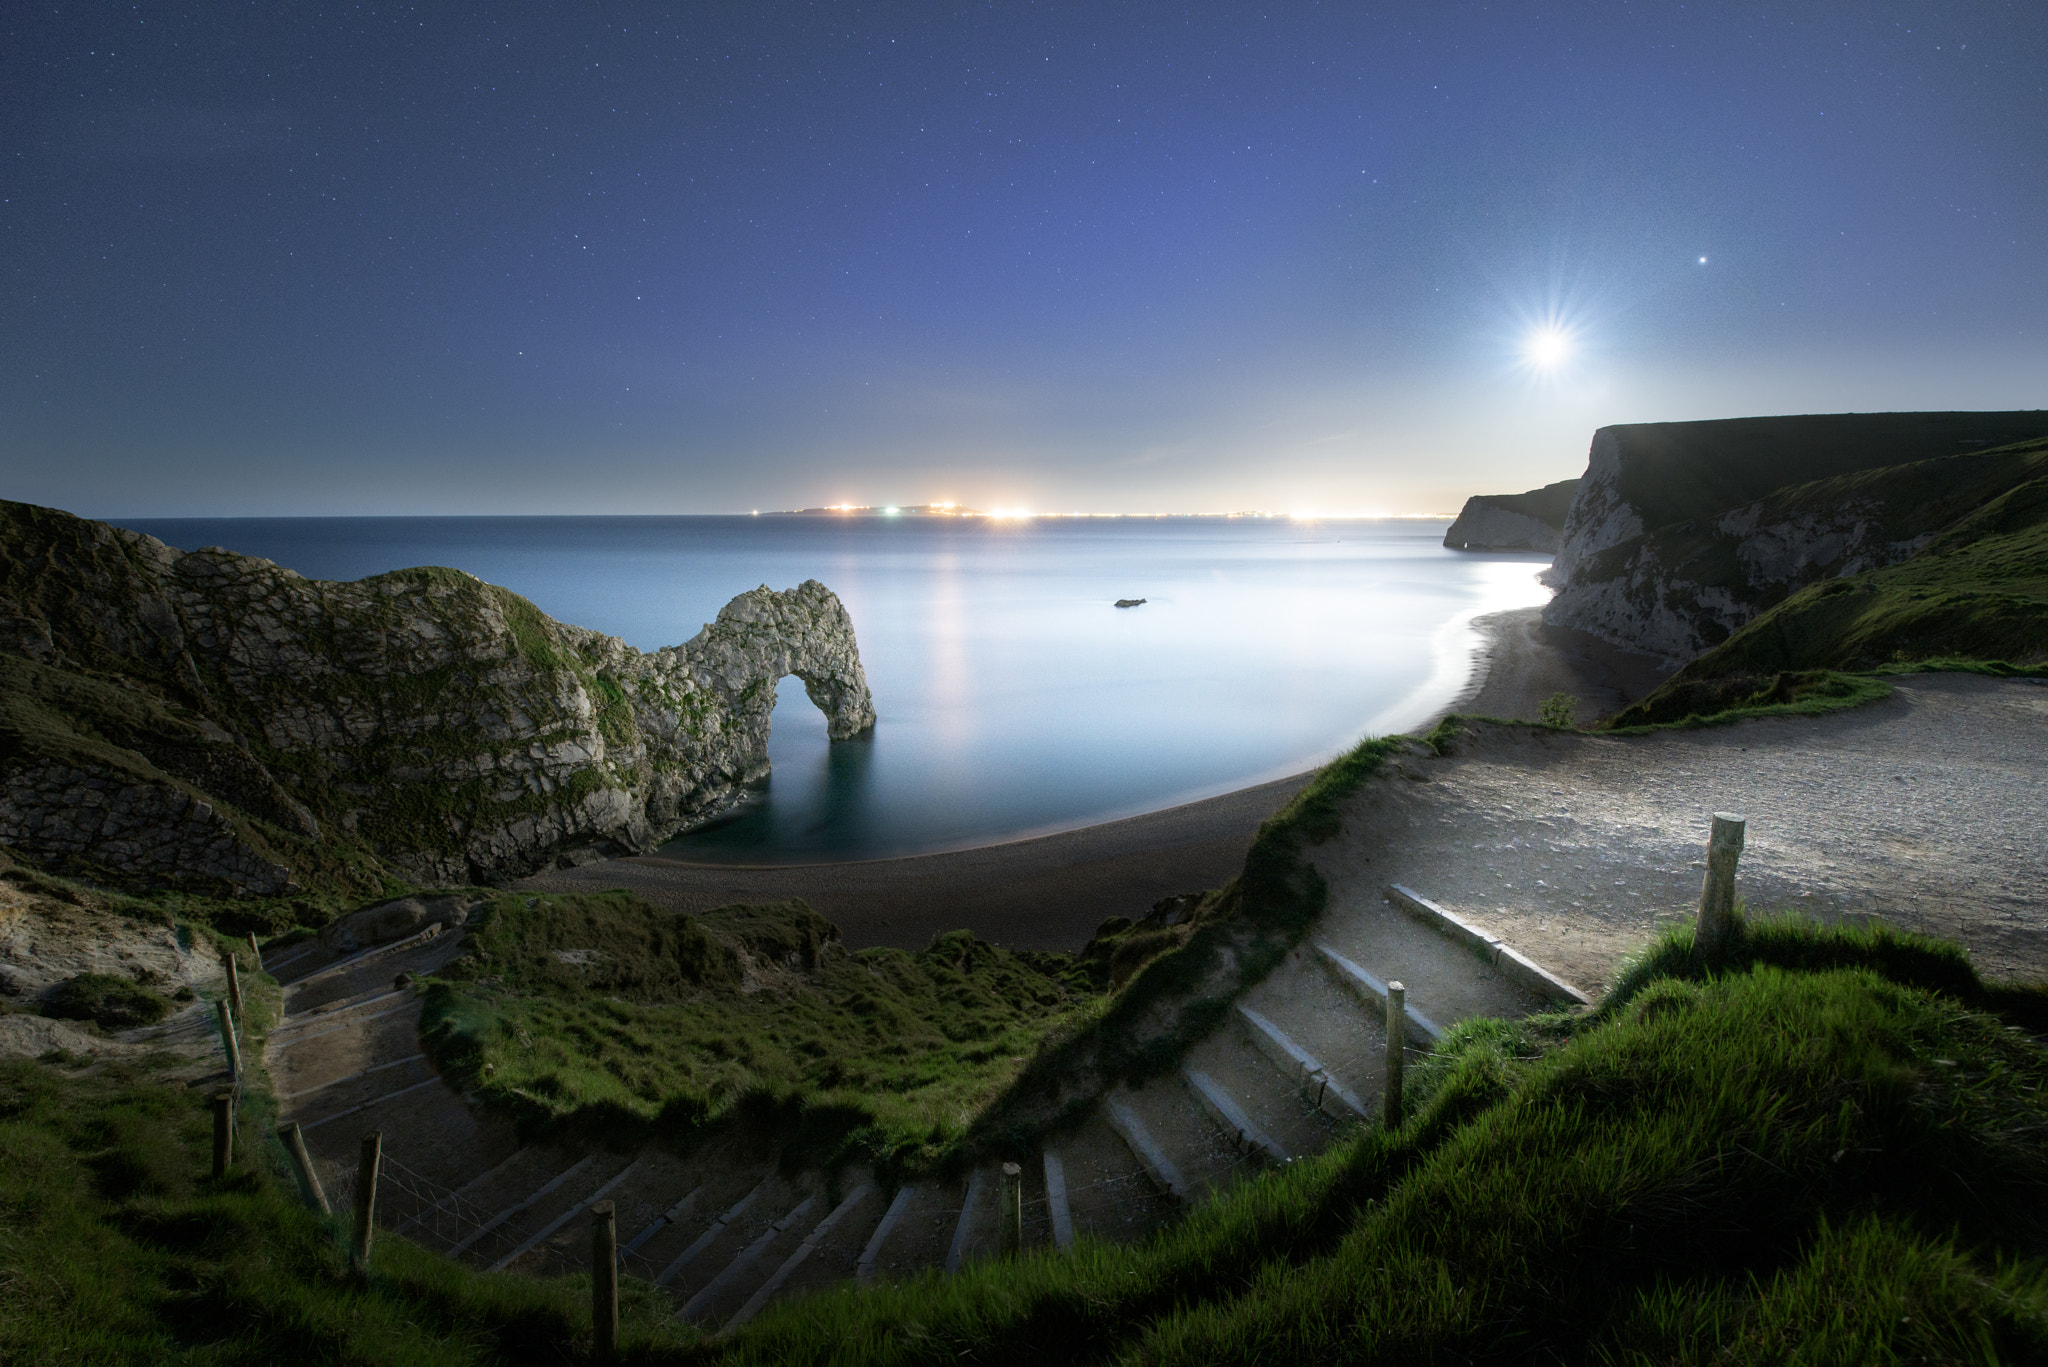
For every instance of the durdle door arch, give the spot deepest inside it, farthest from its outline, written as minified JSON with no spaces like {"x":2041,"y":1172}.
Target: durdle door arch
{"x":422,"y":720}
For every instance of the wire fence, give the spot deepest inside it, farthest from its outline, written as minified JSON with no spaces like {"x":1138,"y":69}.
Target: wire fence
{"x":454,"y":1218}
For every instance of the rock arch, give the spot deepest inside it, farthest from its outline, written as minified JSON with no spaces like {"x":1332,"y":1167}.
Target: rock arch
{"x":421,"y":720}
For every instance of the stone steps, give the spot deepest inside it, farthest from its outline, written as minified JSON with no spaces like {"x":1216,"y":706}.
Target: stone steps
{"x":1299,"y":1059}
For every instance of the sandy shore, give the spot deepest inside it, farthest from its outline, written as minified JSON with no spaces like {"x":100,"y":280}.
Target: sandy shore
{"x":1524,"y":663}
{"x":1047,"y":893}
{"x":1053,"y":891}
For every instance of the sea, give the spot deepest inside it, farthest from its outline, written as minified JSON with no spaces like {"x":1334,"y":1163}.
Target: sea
{"x":1014,"y":698}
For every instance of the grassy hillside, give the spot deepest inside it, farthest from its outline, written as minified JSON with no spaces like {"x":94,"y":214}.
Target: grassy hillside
{"x":1547,"y":505}
{"x":1675,"y":471}
{"x":116,"y":1246}
{"x":1977,"y":591}
{"x":604,"y":1013}
{"x":1831,"y":1147}
{"x":1824,"y":1150}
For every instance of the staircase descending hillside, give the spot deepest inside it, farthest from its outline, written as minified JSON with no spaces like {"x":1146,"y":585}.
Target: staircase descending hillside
{"x":1301,"y":1056}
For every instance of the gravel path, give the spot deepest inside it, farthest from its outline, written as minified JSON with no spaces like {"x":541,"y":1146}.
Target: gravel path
{"x":1925,"y":810}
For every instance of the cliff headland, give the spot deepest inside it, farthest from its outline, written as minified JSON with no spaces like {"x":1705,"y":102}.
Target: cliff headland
{"x":1513,"y":522}
{"x":1744,"y":552}
{"x":214,"y":722}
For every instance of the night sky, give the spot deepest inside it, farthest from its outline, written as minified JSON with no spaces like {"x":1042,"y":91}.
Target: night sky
{"x":605,"y":257}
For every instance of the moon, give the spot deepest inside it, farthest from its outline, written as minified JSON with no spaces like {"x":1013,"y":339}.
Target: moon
{"x":1548,"y":347}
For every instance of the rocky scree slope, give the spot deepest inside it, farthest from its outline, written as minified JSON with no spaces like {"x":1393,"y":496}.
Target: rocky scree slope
{"x":213,"y":721}
{"x":1681,"y":533}
{"x":1513,"y":522}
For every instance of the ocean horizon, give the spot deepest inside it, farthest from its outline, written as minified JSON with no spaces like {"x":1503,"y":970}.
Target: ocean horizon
{"x":1014,"y":698}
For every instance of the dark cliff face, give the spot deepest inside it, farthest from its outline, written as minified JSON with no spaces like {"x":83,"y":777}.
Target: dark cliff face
{"x":1681,"y":533}
{"x":211,"y":720}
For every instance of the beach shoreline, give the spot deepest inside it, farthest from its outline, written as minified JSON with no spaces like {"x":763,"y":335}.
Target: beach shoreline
{"x":1051,"y":892}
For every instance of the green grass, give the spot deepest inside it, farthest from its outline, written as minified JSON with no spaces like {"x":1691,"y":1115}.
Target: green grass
{"x":116,"y":1246}
{"x":602,"y":1014}
{"x":1716,"y":701}
{"x":107,"y":1000}
{"x":1975,"y":596}
{"x":605,"y":1016}
{"x":1831,"y":1147}
{"x":1762,"y":1164}
{"x":1240,"y":934}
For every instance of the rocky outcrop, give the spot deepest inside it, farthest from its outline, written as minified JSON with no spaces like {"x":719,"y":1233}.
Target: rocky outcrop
{"x":1513,"y":522}
{"x":209,"y":719}
{"x":1680,"y":533}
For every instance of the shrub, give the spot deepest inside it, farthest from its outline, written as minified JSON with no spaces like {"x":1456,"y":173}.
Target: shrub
{"x":114,"y":1002}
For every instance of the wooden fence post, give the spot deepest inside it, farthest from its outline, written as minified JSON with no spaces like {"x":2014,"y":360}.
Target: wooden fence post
{"x":604,"y":1281}
{"x":367,"y":1165}
{"x":1010,"y":1211}
{"x":1397,"y":1053}
{"x":223,"y":1133}
{"x":225,"y":1018}
{"x":255,"y":952}
{"x":302,"y":1167}
{"x":1717,"y":891}
{"x":234,"y":986}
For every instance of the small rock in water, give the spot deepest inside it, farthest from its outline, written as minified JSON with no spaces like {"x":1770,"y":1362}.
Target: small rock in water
{"x":1130,"y":602}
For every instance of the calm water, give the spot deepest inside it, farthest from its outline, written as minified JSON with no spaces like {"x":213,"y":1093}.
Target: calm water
{"x":1013,"y":697}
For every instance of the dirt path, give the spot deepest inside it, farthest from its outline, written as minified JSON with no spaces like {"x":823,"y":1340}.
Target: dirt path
{"x":1925,"y":810}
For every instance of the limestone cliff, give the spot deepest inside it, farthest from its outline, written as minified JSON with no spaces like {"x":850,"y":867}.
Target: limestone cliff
{"x":1682,"y":532}
{"x":1513,"y":522}
{"x":211,"y":720}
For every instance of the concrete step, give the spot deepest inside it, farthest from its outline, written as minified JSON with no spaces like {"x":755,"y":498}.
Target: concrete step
{"x":1447,"y":981}
{"x":702,"y":1196}
{"x":749,"y":1265}
{"x":486,"y":1235}
{"x":299,"y":1033}
{"x":820,"y":1260}
{"x":366,"y":1039}
{"x":976,"y":1217}
{"x":340,"y":1011}
{"x":1512,"y":963}
{"x":1304,"y":1002}
{"x":1228,"y":1112}
{"x":734,"y":1230}
{"x":1109,"y":1194}
{"x":865,"y":1266}
{"x":569,"y":1212}
{"x":1272,"y":1100}
{"x":368,"y":969}
{"x":439,"y":1219}
{"x":923,"y":1233}
{"x":1422,"y":1032}
{"x":1300,"y":1069}
{"x":368,"y":1078}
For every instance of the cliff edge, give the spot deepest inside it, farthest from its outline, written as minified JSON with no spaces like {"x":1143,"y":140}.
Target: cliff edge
{"x":213,"y":721}
{"x":1682,"y":533}
{"x":1513,"y":522}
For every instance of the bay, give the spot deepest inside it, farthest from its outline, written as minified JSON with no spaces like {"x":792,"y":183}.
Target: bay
{"x":1014,"y":698}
